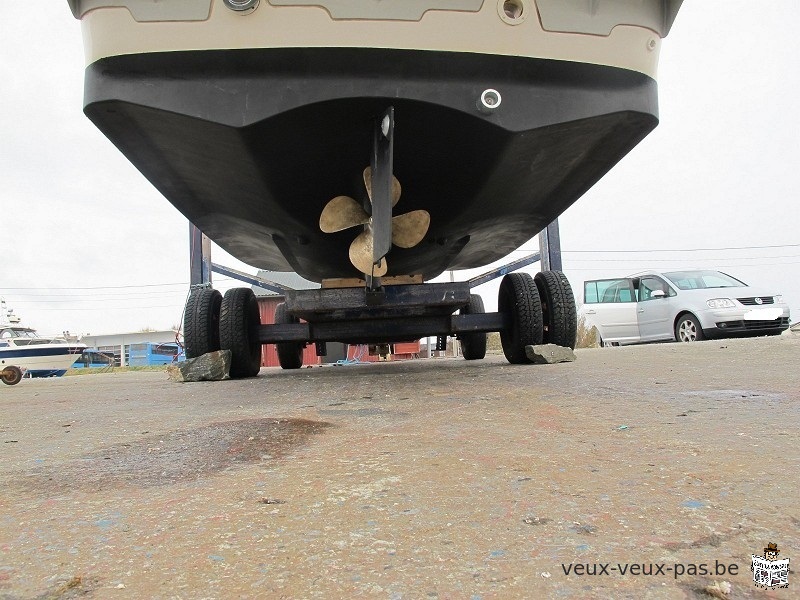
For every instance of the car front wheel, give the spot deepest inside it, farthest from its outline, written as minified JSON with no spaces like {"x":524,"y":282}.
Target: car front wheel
{"x":687,"y":329}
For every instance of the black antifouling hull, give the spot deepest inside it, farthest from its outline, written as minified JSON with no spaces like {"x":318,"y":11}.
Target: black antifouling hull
{"x":251,"y":144}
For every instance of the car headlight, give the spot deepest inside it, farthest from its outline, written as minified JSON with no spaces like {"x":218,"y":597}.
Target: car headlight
{"x":720,"y":303}
{"x":778,"y":299}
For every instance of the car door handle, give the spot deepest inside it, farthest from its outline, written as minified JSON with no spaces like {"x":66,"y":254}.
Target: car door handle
{"x":641,"y":310}
{"x":591,"y":312}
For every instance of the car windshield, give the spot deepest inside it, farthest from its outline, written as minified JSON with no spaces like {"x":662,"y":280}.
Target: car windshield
{"x":699,"y":280}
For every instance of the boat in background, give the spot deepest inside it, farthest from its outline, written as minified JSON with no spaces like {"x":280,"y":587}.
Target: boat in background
{"x":24,"y":351}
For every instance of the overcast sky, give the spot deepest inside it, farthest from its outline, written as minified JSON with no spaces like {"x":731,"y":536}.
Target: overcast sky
{"x":88,"y":245}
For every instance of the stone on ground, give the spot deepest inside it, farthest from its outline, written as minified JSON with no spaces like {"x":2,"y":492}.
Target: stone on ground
{"x":548,"y":354}
{"x":213,"y":366}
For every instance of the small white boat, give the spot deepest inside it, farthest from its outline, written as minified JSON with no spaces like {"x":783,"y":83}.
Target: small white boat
{"x":22,"y":350}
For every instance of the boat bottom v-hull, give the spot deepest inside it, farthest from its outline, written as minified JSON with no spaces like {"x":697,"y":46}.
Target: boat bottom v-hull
{"x":250,"y":145}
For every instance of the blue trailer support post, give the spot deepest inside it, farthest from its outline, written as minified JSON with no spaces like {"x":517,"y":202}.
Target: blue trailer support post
{"x":199,"y":257}
{"x":550,"y":247}
{"x":251,"y":279}
{"x":500,"y":271}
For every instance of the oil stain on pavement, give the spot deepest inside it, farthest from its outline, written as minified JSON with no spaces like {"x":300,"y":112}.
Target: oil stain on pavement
{"x":173,"y":457}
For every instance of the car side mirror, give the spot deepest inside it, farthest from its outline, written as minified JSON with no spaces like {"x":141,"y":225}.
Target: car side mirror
{"x":658,"y":294}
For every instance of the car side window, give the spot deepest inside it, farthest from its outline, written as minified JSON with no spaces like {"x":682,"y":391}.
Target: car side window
{"x":608,"y":291}
{"x":648,"y":285}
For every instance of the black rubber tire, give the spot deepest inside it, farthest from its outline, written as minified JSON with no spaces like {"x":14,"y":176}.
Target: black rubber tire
{"x":559,"y":315}
{"x":473,"y":345}
{"x":687,"y":329}
{"x":201,"y":322}
{"x":519,"y":300}
{"x":11,"y":375}
{"x":290,"y":354}
{"x":239,"y":321}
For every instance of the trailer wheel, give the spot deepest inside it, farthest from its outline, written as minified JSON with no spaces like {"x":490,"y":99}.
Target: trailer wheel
{"x":201,"y":322}
{"x":473,"y":345}
{"x":239,"y":321}
{"x":519,"y":300}
{"x":559,"y":316}
{"x":290,"y":354}
{"x":11,"y":375}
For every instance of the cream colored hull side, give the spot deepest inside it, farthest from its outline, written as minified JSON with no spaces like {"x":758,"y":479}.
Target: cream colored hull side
{"x":113,"y":31}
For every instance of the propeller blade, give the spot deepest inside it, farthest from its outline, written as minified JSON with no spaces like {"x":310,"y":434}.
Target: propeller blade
{"x":396,"y":189}
{"x":409,"y":229}
{"x":342,"y":213}
{"x":361,"y":255}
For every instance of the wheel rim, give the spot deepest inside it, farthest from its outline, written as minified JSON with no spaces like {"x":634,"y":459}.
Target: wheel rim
{"x":687,"y":331}
{"x":11,"y":375}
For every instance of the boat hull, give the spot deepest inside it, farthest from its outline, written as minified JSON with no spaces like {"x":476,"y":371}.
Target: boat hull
{"x":251,"y":144}
{"x":41,"y":360}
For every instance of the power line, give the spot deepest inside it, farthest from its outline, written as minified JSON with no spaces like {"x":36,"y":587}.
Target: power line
{"x":67,"y":300}
{"x":112,"y":308}
{"x":739,"y":266}
{"x":111,"y":287}
{"x":669,"y":249}
{"x":670,"y":260}
{"x":102,"y":296}
{"x":102,"y":287}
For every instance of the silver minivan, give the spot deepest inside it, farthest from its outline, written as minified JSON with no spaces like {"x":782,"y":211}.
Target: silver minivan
{"x":684,"y":305}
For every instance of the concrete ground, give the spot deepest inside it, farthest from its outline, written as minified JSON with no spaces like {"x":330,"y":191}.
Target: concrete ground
{"x":424,"y":479}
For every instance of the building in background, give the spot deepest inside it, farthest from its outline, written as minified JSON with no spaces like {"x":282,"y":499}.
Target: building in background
{"x":119,"y":344}
{"x":152,"y":354}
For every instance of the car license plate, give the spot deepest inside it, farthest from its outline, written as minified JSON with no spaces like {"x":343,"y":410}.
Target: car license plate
{"x":763,"y":314}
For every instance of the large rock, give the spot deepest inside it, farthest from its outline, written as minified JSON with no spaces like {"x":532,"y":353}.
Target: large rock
{"x":548,"y":354}
{"x":214,"y":366}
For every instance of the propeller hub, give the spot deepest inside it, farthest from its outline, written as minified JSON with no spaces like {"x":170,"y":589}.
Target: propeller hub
{"x":343,"y":212}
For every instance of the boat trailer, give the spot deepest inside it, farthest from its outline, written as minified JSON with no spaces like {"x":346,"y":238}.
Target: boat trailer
{"x":531,"y":310}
